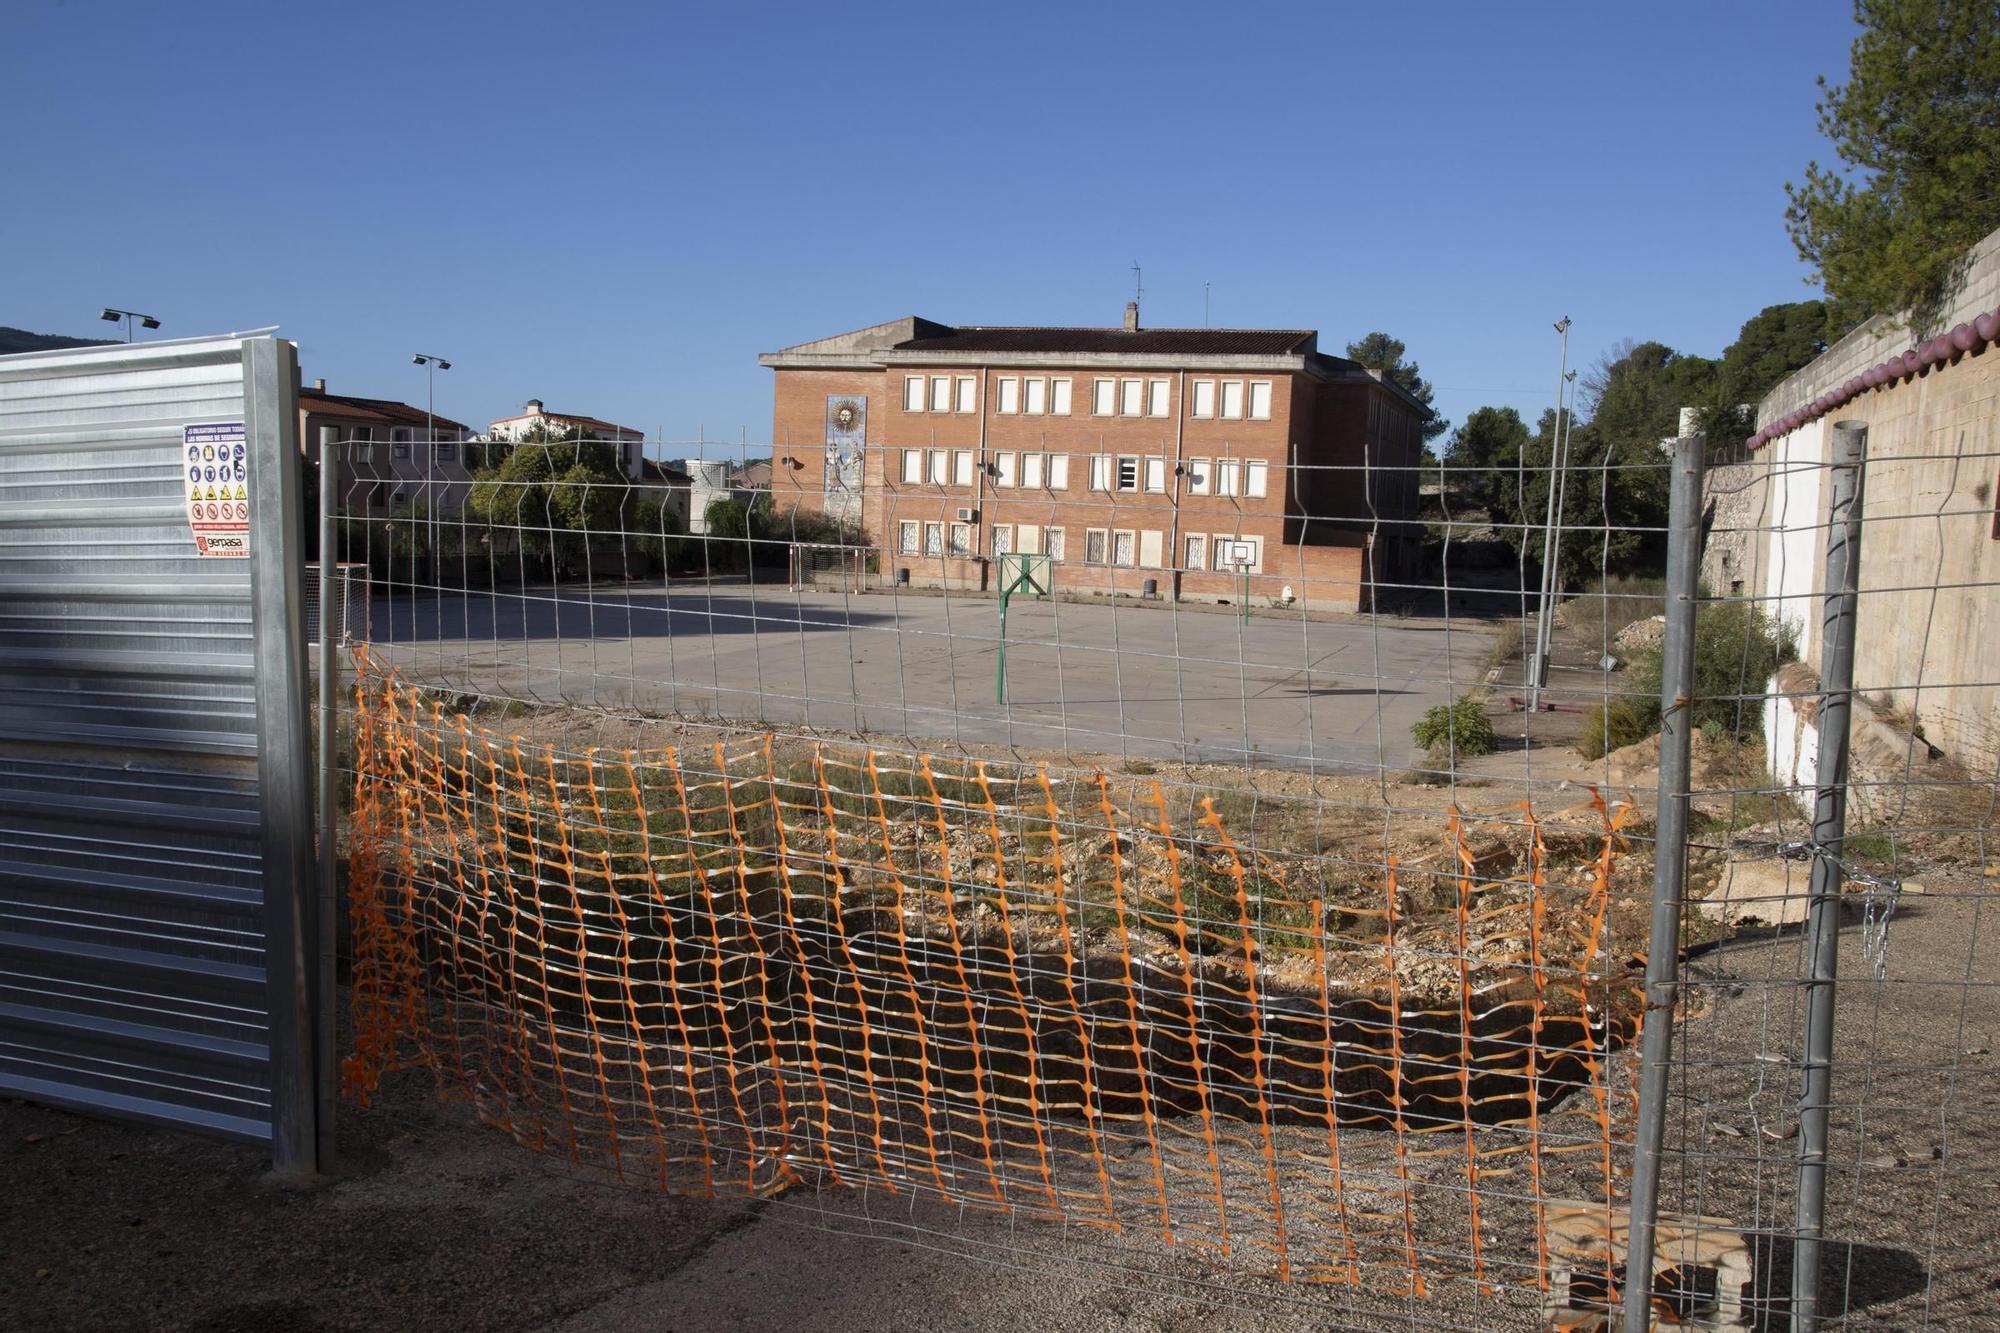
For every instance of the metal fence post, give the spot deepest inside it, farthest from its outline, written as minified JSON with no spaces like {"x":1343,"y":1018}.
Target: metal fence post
{"x":332,"y":583}
{"x":1669,"y":874}
{"x":1829,"y":829}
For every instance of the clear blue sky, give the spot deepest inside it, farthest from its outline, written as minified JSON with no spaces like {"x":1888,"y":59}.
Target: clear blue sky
{"x":615,"y":208}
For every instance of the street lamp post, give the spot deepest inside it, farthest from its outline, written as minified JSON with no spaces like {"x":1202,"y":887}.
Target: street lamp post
{"x":432,"y":364}
{"x":111,"y":315}
{"x":1538,"y":665}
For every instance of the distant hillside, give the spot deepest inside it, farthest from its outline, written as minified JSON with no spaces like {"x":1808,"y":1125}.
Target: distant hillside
{"x":20,"y":340}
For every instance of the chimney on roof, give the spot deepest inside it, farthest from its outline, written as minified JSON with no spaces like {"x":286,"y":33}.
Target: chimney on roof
{"x":319,"y":386}
{"x":534,"y":407}
{"x":1131,"y":317}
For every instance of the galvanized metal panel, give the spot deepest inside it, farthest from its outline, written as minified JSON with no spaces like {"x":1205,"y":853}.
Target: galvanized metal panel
{"x":144,"y":892}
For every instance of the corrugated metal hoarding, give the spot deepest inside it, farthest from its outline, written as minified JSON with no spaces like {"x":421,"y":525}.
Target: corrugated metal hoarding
{"x":154,"y":849}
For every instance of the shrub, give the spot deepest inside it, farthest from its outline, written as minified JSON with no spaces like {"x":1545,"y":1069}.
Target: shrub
{"x":1457,"y":730}
{"x":1737,"y":647}
{"x":1597,"y":615}
{"x":1615,"y":725}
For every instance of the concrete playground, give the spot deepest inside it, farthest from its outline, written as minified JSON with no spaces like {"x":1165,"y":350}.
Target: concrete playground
{"x":1196,"y":684}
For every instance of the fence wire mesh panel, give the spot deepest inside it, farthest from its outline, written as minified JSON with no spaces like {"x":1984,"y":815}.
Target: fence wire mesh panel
{"x":1262,"y":887}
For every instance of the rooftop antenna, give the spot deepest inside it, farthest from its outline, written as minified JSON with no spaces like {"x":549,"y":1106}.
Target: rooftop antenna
{"x":1204,"y":305}
{"x":1138,"y":283}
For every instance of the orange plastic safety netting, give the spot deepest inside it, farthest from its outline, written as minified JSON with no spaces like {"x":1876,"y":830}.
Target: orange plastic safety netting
{"x":743,"y":965}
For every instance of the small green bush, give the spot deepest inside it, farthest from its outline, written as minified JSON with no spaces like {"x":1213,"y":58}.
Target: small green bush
{"x":1615,"y":725}
{"x":1457,"y":730}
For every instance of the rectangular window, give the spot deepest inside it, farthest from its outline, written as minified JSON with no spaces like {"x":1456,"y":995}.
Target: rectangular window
{"x":399,"y":446}
{"x":1199,"y":476}
{"x":1100,"y":472}
{"x":1232,"y":400}
{"x":1003,"y":539}
{"x":1260,"y":400}
{"x":906,"y":537}
{"x":1104,"y":397}
{"x":1037,"y":397}
{"x":1003,"y":469}
{"x":913,"y":393}
{"x":1156,"y":398}
{"x":1124,"y":549}
{"x":1058,"y":472}
{"x":941,"y":393}
{"x":961,"y":539}
{"x":1219,"y":550}
{"x":1204,"y":398}
{"x":1010,"y":395}
{"x":1151,"y":544}
{"x":1156,"y":474}
{"x":961,"y":467}
{"x":445,"y":451}
{"x":940,"y":463}
{"x":1052,"y":543}
{"x":1256,"y":477}
{"x":1094,"y":541}
{"x":968,"y":394}
{"x":933,"y":539}
{"x":1197,"y":551}
{"x":1128,"y":473}
{"x":1027,"y":537}
{"x":1131,"y":397}
{"x":1226,"y":470}
{"x":913,"y":467}
{"x":1031,"y":471}
{"x":1059,"y":397}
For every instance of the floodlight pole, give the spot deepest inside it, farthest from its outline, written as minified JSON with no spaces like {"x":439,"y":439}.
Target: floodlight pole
{"x":1538,"y":665}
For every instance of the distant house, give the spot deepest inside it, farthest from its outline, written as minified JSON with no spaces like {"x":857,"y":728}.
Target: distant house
{"x":631,"y":442}
{"x":670,"y":485}
{"x":393,"y":455}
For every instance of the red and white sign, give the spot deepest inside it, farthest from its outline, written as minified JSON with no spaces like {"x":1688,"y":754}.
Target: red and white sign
{"x":217,"y":473}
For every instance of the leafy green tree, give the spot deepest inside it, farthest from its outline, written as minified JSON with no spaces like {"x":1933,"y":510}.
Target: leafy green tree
{"x":1485,"y":452}
{"x":1773,"y":343}
{"x":1917,"y":129}
{"x":554,"y":491}
{"x":1613,"y":505}
{"x":1636,"y":393}
{"x":1378,"y":351}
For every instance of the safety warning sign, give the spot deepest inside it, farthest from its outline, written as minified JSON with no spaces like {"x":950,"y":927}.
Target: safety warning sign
{"x":218,"y":489}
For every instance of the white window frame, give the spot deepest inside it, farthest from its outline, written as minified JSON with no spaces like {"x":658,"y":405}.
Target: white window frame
{"x":1007,"y":395}
{"x":1200,"y":476}
{"x":913,"y":393}
{"x":1131,"y":398}
{"x":1103,"y":536}
{"x":399,"y":443}
{"x":1232,"y":410}
{"x":1195,"y":551}
{"x":1059,"y":397}
{"x":1058,"y":472}
{"x":1100,"y":472}
{"x":1004,"y":466}
{"x":940,"y":393}
{"x":1053,"y":544}
{"x":938,"y":469}
{"x":1202,"y":400}
{"x":968,"y":394}
{"x":1256,"y":477}
{"x":1260,"y":388}
{"x":1118,"y":476}
{"x":961,"y":467}
{"x":959,"y":541}
{"x":1001,"y":540}
{"x":1104,"y":398}
{"x":1033,"y":469}
{"x":1035,"y":396}
{"x":1227,"y":476}
{"x":1131,"y":540}
{"x":909,"y":537}
{"x":934,"y":539}
{"x":913,"y":467}
{"x":1156,"y":474}
{"x":1158,"y":393}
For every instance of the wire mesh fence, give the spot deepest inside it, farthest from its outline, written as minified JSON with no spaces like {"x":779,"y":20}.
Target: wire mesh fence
{"x":1285,"y":907}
